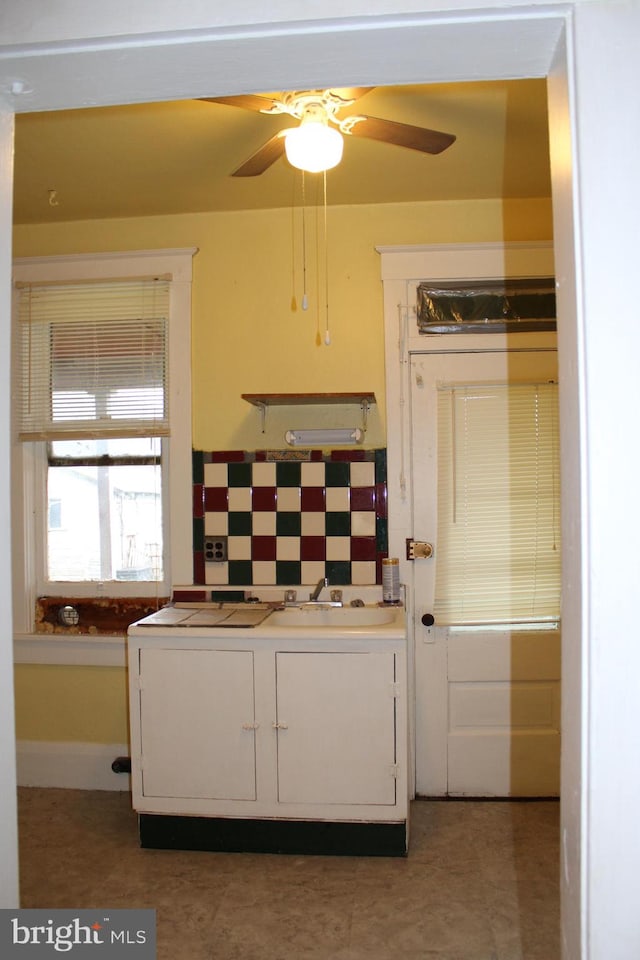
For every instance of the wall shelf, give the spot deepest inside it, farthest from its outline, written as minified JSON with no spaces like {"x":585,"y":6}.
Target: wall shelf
{"x":363,"y":399}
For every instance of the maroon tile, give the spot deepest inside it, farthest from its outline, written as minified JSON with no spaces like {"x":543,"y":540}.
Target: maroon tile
{"x":198,"y":566}
{"x":216,"y":499}
{"x":363,"y":498}
{"x":193,"y":596}
{"x":312,"y":499}
{"x":312,"y":548}
{"x":263,"y":498}
{"x":381,"y":500}
{"x":227,"y":456}
{"x":349,"y":455}
{"x":363,"y":548}
{"x":316,"y":455}
{"x":263,"y":548}
{"x":198,"y":500}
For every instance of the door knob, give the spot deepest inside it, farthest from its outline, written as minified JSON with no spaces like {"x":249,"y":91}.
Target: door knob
{"x":428,"y":619}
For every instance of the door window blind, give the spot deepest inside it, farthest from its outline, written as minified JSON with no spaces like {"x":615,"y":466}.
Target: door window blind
{"x":498,"y":557}
{"x":93,"y":359}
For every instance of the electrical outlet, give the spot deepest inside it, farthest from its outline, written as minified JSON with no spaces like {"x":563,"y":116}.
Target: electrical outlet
{"x":215,"y":549}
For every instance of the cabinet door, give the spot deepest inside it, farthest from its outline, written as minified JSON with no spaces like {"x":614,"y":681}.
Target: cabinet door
{"x":336,"y":728}
{"x":196,"y":713}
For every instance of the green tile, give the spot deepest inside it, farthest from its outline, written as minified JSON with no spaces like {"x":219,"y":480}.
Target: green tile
{"x":338,"y":572}
{"x":240,"y":571}
{"x":198,"y":533}
{"x":288,"y":523}
{"x":337,"y":523}
{"x":287,"y":572}
{"x":287,"y":474}
{"x":239,"y":474}
{"x":239,"y":523}
{"x":382,"y":535}
{"x":381,"y":465}
{"x":197,"y":466}
{"x":337,"y":474}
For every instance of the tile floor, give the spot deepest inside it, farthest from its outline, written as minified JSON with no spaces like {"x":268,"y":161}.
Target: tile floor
{"x":480,"y":883}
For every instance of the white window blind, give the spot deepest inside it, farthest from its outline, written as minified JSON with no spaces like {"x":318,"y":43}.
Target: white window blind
{"x":498,"y":557}
{"x":93,"y":359}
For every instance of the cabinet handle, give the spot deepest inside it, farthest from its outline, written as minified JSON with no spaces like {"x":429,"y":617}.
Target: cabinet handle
{"x":280,"y":725}
{"x":250,"y":726}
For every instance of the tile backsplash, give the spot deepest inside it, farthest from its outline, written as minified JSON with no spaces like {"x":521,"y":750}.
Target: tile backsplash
{"x":291,"y":517}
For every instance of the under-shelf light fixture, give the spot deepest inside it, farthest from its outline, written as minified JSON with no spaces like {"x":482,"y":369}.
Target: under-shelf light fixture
{"x":340,"y":436}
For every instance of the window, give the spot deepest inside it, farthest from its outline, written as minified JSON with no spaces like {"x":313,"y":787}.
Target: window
{"x":93,"y":358}
{"x":103,"y":422}
{"x":498,"y":504}
{"x":110,"y":493}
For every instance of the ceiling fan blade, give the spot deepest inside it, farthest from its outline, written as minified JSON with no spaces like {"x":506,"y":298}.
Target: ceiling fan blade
{"x":350,"y":93}
{"x":248,"y":101}
{"x":403,"y":135}
{"x":263,"y":158}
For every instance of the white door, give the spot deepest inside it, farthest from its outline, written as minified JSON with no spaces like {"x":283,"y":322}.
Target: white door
{"x":487,"y":700}
{"x":197,"y":724}
{"x":336,"y":728}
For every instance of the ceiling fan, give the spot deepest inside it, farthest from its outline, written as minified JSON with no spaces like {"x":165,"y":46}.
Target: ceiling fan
{"x":317,"y":111}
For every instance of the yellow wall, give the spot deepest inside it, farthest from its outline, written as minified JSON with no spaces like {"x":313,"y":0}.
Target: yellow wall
{"x":62,"y":703}
{"x":246,"y":339}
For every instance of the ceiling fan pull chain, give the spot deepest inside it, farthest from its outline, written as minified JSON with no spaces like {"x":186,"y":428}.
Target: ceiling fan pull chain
{"x":294,"y":258}
{"x":305,"y":299}
{"x":327,"y":335}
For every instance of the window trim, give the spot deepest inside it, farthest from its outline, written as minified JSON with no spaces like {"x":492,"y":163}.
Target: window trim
{"x":29,"y":459}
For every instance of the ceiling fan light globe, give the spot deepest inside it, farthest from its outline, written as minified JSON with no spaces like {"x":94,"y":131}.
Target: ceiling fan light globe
{"x":313,"y":147}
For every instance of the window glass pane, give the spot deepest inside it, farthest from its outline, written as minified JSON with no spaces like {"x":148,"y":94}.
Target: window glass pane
{"x":108,"y":518}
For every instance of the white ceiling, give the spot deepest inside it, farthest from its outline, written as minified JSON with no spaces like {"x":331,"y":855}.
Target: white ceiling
{"x":176,"y":157}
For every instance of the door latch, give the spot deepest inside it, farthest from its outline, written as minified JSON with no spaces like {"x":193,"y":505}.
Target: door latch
{"x":419,"y":550}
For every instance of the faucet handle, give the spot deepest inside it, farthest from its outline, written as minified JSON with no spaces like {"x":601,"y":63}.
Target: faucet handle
{"x":336,"y":596}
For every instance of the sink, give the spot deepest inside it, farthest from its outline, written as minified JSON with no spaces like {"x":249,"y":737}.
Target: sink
{"x":320,"y":616}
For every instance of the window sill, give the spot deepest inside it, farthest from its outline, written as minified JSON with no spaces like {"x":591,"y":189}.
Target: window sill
{"x":76,"y":649}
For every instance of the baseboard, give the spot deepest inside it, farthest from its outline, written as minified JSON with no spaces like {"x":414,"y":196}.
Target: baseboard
{"x":76,"y":766}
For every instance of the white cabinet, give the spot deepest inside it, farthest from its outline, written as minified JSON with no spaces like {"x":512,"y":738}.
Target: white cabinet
{"x":336,"y":728}
{"x":197,"y":724}
{"x":255,"y":727}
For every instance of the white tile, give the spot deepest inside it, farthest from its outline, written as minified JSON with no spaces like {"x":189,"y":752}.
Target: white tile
{"x":363,"y":571}
{"x":312,"y":474}
{"x":337,"y":498}
{"x":288,"y":498}
{"x":216,"y":573}
{"x":310,"y":572}
{"x":338,"y":548}
{"x":312,"y":524}
{"x":263,"y":474}
{"x":240,"y":498}
{"x":287,"y":548}
{"x":263,"y":523}
{"x":215,"y":475}
{"x":363,"y":523}
{"x":263,"y":571}
{"x":239,"y":548}
{"x":216,"y":524}
{"x":363,"y":474}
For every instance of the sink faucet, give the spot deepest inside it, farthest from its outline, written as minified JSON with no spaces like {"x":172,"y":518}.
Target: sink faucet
{"x":317,"y":590}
